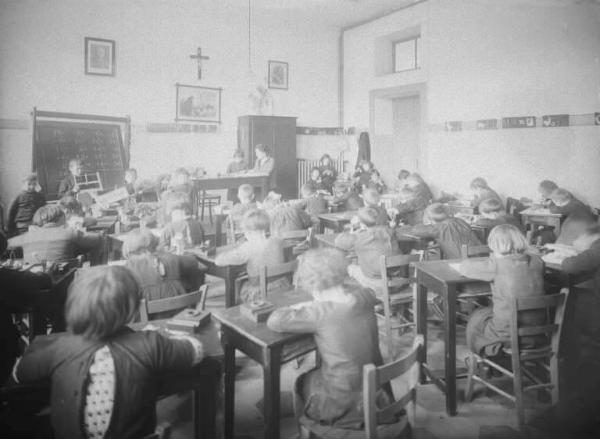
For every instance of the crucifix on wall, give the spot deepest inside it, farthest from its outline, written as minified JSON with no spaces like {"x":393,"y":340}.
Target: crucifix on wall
{"x":199,"y":57}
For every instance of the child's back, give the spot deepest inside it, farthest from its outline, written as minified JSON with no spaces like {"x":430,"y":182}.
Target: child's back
{"x":451,"y":234}
{"x":190,"y":228}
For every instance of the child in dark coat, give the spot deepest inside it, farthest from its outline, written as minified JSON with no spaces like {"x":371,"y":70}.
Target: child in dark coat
{"x":25,"y":205}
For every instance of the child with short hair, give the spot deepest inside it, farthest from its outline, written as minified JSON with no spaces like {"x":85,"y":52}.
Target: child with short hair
{"x":565,"y":203}
{"x":413,"y":200}
{"x":104,"y":375}
{"x":372,"y":199}
{"x":545,"y":189}
{"x":346,"y":197}
{"x":513,"y":272}
{"x":481,"y":191}
{"x":328,"y":173}
{"x":131,"y":180}
{"x":314,"y":203}
{"x":449,"y":232}
{"x":369,"y":241}
{"x":237,"y":165}
{"x":49,"y":239}
{"x":288,"y":218}
{"x":491,"y":214}
{"x":160,"y":274}
{"x":74,"y":213}
{"x":25,"y":205}
{"x":341,"y":317}
{"x":233,"y":222}
{"x":179,"y":185}
{"x":315,"y":179}
{"x":258,"y":250}
{"x":363,"y":175}
{"x":68,"y":185}
{"x":401,"y":181}
{"x":183,"y":226}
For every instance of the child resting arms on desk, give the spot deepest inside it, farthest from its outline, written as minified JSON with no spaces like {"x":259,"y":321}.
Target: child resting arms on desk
{"x":344,"y":325}
{"x":105,"y":375}
{"x":513,"y":272}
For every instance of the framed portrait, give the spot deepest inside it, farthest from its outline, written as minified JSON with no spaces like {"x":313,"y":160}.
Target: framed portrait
{"x":197,"y":104}
{"x":99,"y":57}
{"x":278,"y":75}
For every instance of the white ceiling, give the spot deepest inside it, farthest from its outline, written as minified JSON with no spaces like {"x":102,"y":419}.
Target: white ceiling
{"x":338,"y":13}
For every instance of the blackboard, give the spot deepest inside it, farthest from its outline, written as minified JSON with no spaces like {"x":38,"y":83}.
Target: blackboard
{"x":99,"y":146}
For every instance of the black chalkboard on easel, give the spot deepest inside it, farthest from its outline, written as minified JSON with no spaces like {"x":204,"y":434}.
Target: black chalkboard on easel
{"x":96,"y":140}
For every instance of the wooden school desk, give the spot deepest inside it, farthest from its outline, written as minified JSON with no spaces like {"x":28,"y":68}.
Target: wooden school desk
{"x":233,"y":181}
{"x":441,"y":278}
{"x":541,"y":216}
{"x":335,"y":221}
{"x":270,"y":349}
{"x":229,"y":273}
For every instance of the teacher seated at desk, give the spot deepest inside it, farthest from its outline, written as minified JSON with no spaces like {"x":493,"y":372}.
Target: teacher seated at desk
{"x":50,"y":239}
{"x":265,"y":164}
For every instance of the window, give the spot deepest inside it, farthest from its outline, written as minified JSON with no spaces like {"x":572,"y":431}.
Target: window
{"x":405,"y":54}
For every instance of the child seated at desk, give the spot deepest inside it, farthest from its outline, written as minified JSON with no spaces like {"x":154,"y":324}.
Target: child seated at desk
{"x":315,"y":179}
{"x":74,"y":213}
{"x":105,"y":376}
{"x":411,"y":205}
{"x":564,"y":203}
{"x":401,"y":180}
{"x":418,"y":185}
{"x":346,"y":197}
{"x":237,"y":165}
{"x":288,"y":218}
{"x":491,"y":214}
{"x":182,"y":226}
{"x":449,"y":232}
{"x":372,"y":199}
{"x":160,"y":274}
{"x":328,"y":173}
{"x":582,"y":326}
{"x":575,"y":225}
{"x":545,"y":189}
{"x":258,"y":250}
{"x":313,"y":202}
{"x":179,"y":184}
{"x":50,"y":239}
{"x":513,"y":272}
{"x":342,"y":319}
{"x":25,"y":205}
{"x":366,"y":175}
{"x":369,"y":241}
{"x":68,"y":185}
{"x":481,"y":191}
{"x":233,"y":222}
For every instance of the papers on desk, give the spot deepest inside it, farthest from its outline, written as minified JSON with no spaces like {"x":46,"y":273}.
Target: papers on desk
{"x":560,"y":253}
{"x":455,"y":266}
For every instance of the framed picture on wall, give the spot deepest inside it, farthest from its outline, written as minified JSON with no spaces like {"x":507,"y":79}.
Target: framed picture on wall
{"x":99,"y":56}
{"x":278,"y":75}
{"x":197,"y":104}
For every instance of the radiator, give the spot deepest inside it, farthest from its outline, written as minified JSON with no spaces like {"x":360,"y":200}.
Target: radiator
{"x":305,"y":166}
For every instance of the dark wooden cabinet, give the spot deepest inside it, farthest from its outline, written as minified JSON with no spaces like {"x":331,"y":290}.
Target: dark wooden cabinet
{"x":278,"y":134}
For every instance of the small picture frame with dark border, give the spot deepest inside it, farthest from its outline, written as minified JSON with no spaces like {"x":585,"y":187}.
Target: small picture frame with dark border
{"x":278,"y":75}
{"x":99,"y":56}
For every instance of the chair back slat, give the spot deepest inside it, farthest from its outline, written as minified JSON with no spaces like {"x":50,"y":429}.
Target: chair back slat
{"x":537,"y":330}
{"x":469,"y":251}
{"x":268,"y":273}
{"x":150,"y":307}
{"x":539,"y":302}
{"x":405,"y":369}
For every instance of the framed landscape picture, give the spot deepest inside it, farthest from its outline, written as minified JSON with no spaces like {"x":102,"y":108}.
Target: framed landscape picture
{"x":278,"y":75}
{"x":99,"y":56}
{"x":198,"y":104}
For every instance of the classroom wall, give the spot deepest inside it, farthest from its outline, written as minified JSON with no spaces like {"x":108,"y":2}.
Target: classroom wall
{"x":485,"y":59}
{"x":41,"y":48}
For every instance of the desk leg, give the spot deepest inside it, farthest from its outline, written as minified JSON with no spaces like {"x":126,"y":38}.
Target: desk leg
{"x":229,"y":378}
{"x":271,"y":368}
{"x":449,"y":297}
{"x":229,"y":288}
{"x":421,"y":322}
{"x":207,"y":400}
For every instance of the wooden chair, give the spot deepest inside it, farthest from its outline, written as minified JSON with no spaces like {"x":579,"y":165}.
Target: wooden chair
{"x":302,"y":239}
{"x":150,"y":307}
{"x":273,"y":272}
{"x":207,"y":201}
{"x":396,"y":292}
{"x":406,"y":371}
{"x":527,"y":363}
